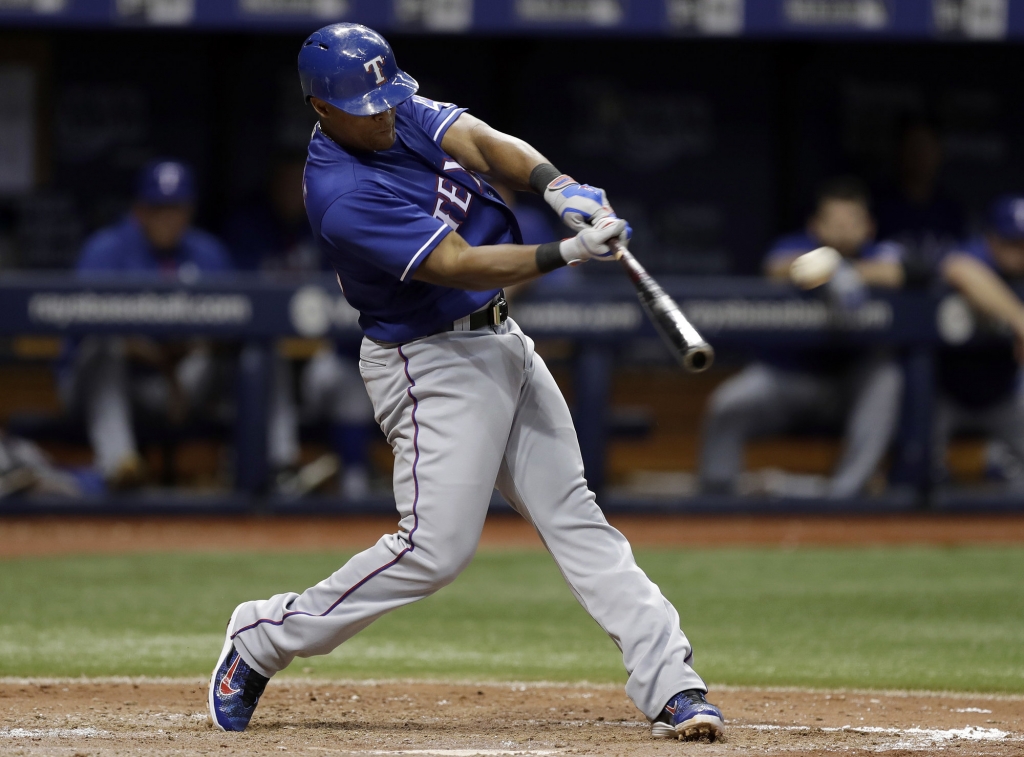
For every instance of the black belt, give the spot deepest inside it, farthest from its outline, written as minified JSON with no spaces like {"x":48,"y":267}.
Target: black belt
{"x":494,"y":314}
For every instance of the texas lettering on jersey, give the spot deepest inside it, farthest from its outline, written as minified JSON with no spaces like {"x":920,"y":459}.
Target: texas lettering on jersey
{"x":452,"y":202}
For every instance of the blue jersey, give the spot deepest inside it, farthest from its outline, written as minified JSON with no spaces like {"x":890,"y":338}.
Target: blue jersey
{"x":378,"y":215}
{"x":123,"y":248}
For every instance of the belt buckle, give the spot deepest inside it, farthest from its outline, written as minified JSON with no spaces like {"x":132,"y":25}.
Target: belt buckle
{"x":499,"y":310}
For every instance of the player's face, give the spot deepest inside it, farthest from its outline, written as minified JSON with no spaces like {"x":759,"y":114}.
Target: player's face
{"x":1008,"y":254}
{"x":845,"y":225}
{"x":366,"y":133}
{"x":164,"y":225}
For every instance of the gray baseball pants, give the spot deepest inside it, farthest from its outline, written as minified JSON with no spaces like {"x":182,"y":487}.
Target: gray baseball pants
{"x":762,"y":400}
{"x":102,"y":387}
{"x":466,"y":412}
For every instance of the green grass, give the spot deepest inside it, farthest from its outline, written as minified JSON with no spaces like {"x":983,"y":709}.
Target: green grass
{"x":883,"y":618}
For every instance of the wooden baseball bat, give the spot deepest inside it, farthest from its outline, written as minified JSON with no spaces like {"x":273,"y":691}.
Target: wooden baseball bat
{"x":688,"y":346}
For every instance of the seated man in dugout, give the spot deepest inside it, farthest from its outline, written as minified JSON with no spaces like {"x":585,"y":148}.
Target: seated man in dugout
{"x":858,"y":390}
{"x":978,"y":381}
{"x":105,"y":378}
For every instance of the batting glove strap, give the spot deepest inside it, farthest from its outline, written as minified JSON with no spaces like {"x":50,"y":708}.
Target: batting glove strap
{"x":578,"y":205}
{"x":592,"y":241}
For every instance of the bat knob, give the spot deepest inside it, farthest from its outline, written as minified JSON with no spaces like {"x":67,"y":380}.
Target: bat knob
{"x":699,"y":358}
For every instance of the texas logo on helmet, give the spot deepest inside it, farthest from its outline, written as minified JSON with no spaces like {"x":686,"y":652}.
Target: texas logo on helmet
{"x":375,"y":65}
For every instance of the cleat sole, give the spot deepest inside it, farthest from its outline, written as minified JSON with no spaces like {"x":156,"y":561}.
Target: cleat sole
{"x":701,"y":728}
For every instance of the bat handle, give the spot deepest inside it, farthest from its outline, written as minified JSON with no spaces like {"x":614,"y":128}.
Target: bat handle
{"x":633,"y":268}
{"x":617,"y":248}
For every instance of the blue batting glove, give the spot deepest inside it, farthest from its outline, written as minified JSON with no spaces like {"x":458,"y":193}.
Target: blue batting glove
{"x":578,"y":205}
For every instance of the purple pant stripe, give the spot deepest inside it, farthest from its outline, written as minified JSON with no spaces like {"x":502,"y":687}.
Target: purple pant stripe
{"x":415,"y":515}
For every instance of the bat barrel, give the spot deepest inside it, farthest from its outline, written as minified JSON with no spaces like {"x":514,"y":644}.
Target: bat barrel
{"x":688,"y":346}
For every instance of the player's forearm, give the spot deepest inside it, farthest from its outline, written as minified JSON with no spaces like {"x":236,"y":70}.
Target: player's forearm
{"x":880,"y":273}
{"x":984,"y":290}
{"x":777,"y":269}
{"x":510,"y":159}
{"x":480,"y":268}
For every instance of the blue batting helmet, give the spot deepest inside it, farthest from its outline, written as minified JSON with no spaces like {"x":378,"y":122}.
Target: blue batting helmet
{"x":352,"y":67}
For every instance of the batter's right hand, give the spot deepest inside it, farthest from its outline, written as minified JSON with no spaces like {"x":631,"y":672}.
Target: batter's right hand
{"x":578,"y":205}
{"x":592,"y":241}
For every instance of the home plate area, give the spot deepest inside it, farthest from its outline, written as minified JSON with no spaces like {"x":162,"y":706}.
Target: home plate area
{"x":94,"y":717}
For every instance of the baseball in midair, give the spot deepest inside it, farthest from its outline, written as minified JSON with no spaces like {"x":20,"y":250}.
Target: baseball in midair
{"x":814,"y":268}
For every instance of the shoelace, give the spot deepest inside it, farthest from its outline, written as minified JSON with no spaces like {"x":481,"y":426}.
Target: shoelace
{"x":255,"y":683}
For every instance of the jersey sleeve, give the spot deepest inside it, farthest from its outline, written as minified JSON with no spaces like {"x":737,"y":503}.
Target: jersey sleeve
{"x":434,"y":117}
{"x":98,"y":255}
{"x":886,"y":251}
{"x":214,"y":256}
{"x":383,"y":230}
{"x":977,"y":248}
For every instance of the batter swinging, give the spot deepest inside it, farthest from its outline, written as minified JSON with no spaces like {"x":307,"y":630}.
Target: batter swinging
{"x":422,"y":245}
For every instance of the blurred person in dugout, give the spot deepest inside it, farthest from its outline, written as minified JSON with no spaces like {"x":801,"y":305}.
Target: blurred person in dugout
{"x":106,"y":378}
{"x":271,"y":233}
{"x":858,"y":390}
{"x":979,"y":381}
{"x":915,"y":210}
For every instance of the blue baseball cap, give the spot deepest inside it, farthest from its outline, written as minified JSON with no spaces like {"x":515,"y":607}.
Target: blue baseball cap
{"x":165,"y":182}
{"x":1007,"y":217}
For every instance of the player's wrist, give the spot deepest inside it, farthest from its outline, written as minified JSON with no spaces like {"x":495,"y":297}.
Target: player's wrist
{"x":573,"y":251}
{"x":549,"y":257}
{"x":541,"y":176}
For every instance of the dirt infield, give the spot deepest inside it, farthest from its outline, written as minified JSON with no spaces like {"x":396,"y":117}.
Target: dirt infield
{"x":148,"y":718}
{"x":20,"y":537}
{"x":94,"y":718}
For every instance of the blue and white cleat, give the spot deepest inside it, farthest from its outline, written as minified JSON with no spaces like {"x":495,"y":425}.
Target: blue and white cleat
{"x":689,"y":717}
{"x":235,"y":688}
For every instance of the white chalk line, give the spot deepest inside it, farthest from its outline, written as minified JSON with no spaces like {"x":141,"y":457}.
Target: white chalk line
{"x":909,"y":738}
{"x":457,"y":752}
{"x":51,"y":733}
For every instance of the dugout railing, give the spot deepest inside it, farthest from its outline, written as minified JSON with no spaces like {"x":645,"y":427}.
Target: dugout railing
{"x":737,"y":315}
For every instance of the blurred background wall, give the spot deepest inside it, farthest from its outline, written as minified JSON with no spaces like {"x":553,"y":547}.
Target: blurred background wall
{"x":737,"y":133}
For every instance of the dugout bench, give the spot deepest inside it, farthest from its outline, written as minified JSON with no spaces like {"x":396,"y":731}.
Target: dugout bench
{"x":598,"y":315}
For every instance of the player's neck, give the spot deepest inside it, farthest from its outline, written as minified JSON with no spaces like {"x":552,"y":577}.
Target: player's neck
{"x":340,"y":141}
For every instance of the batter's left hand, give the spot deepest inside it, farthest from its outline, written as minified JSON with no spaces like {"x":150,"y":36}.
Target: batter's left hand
{"x":578,"y":205}
{"x":592,"y":242}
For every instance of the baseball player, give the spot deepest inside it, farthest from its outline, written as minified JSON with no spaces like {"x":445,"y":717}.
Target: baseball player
{"x":422,"y":246}
{"x":106,"y":376}
{"x":862,"y":390}
{"x":978,"y":382}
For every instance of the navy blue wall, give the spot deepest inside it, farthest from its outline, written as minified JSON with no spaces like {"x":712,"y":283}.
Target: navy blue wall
{"x":710,"y":147}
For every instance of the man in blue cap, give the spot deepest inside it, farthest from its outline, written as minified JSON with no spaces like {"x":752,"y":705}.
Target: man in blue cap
{"x":978,"y":380}
{"x":109,"y":375}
